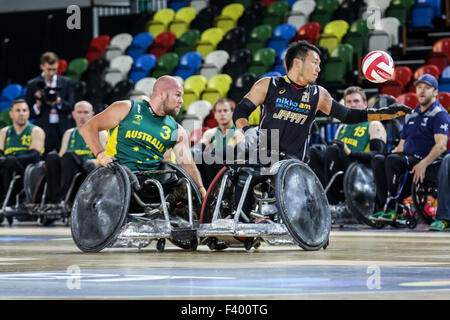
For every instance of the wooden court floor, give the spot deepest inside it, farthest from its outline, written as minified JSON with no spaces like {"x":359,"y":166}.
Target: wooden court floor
{"x":360,"y":263}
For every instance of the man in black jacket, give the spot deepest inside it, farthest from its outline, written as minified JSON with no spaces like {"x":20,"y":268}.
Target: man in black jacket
{"x":51,"y":100}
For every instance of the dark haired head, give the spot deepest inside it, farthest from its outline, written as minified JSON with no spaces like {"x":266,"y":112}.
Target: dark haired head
{"x":298,"y":50}
{"x":49,"y":57}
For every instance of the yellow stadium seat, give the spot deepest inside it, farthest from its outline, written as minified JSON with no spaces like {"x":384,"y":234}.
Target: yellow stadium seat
{"x":255,"y":117}
{"x":193,"y":87}
{"x":182,"y":20}
{"x":209,"y":40}
{"x":337,"y":27}
{"x":218,"y":87}
{"x":161,"y":21}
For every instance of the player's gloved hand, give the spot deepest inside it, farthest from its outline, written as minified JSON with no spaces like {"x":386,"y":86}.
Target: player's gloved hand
{"x":342,"y":146}
{"x":103,"y":159}
{"x":387,"y":113}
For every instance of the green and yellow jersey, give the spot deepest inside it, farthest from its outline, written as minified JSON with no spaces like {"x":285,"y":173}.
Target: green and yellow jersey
{"x":17,"y":144}
{"x":141,"y":139}
{"x":79,"y":146}
{"x":220,"y":141}
{"x":355,"y":136}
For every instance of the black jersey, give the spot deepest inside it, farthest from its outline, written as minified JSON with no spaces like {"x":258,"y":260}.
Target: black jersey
{"x":291,"y":109}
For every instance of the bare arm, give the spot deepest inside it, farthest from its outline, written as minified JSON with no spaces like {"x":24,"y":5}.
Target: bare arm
{"x":185,"y":161}
{"x":256,"y":95}
{"x":107,"y":119}
{"x":37,"y":139}
{"x":2,"y":138}
{"x":65,"y":142}
{"x":399,"y":147}
{"x":377,"y":131}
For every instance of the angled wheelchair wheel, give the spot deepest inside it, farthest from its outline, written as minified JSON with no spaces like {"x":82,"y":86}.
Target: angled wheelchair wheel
{"x":178,"y":201}
{"x":100,"y":208}
{"x":359,"y":190}
{"x":302,"y":204}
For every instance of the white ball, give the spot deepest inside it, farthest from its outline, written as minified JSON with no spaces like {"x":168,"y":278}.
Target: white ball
{"x":378,"y":66}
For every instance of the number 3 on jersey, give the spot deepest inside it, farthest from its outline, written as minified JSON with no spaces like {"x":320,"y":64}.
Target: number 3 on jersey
{"x":166,"y":133}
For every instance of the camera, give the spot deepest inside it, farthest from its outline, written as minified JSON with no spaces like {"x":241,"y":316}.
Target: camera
{"x":49,"y":94}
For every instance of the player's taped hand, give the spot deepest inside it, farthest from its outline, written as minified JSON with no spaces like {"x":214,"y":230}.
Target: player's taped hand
{"x":387,"y":113}
{"x":339,"y":143}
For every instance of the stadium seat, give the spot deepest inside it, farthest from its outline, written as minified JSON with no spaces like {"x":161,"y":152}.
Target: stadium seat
{"x":309,"y":31}
{"x":403,"y":74}
{"x":95,"y":72}
{"x":118,"y":69}
{"x":183,"y":18}
{"x":202,"y":108}
{"x":97,"y":95}
{"x":334,"y":71}
{"x":329,"y":41}
{"x":186,"y":42}
{"x":233,"y":40}
{"x":199,"y":5}
{"x":196,"y":135}
{"x":267,"y":3}
{"x":76,"y":68}
{"x":142,"y":67}
{"x":379,"y":40}
{"x":348,"y":10}
{"x":162,"y":44}
{"x":165,"y":65}
{"x":444,"y":99}
{"x":391,"y":26}
{"x":281,"y":37}
{"x":409,"y":99}
{"x":422,"y":15}
{"x":193,"y":88}
{"x":188,"y":65}
{"x":205,"y":18}
{"x":96,"y":47}
{"x":238,"y":63}
{"x":241,"y":86}
{"x":216,"y":88}
{"x":381,"y":4}
{"x":177,"y":5}
{"x":439,"y":59}
{"x":305,"y":7}
{"x":144,"y":87}
{"x":259,"y":37}
{"x":214,"y":63}
{"x":321,"y":16}
{"x":119,"y":43}
{"x":209,"y":40}
{"x":160,"y":21}
{"x":80,"y":90}
{"x":9,"y":94}
{"x":428,"y":68}
{"x":252,"y":16}
{"x":140,"y":44}
{"x":191,"y":122}
{"x":337,"y":27}
{"x":442,"y":45}
{"x":276,"y":14}
{"x":62,"y":66}
{"x":229,"y":17}
{"x":262,"y":62}
{"x":391,"y":87}
{"x":345,"y":52}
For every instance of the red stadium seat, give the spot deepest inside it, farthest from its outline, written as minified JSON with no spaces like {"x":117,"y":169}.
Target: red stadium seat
{"x":439,"y":59}
{"x":196,"y":135}
{"x":403,"y":75}
{"x":428,"y":68}
{"x":409,"y":99}
{"x":163,"y":44}
{"x":310,"y":30}
{"x":267,"y":3}
{"x":391,"y":87}
{"x":96,"y":47}
{"x":444,"y":99}
{"x":442,"y":45}
{"x":62,"y":66}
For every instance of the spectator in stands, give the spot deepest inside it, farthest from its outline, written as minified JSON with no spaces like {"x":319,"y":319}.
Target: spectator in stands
{"x":74,"y":156}
{"x":217,"y":139}
{"x":51,"y":99}
{"x":442,"y":221}
{"x":423,"y":139}
{"x":20,"y":145}
{"x":353,"y":142}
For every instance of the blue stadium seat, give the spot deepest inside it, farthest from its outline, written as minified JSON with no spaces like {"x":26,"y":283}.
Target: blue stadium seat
{"x":271,"y":74}
{"x":139,"y":44}
{"x":281,"y":37}
{"x":444,"y":80}
{"x":142,"y":67}
{"x":421,"y":17}
{"x":189,"y":64}
{"x":176,"y":5}
{"x":9,"y":94}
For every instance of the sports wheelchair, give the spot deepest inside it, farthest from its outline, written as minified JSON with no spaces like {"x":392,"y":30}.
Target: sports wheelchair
{"x":116,"y":207}
{"x":280,"y":204}
{"x":30,"y":203}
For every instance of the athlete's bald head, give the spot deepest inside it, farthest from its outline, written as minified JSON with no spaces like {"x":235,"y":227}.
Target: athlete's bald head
{"x":167,"y":96}
{"x":82,"y":112}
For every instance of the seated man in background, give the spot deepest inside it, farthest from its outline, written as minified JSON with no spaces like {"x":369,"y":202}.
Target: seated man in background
{"x":20,"y":145}
{"x":423,"y":139}
{"x":353,"y":142}
{"x":217,"y":139}
{"x":74,"y":156}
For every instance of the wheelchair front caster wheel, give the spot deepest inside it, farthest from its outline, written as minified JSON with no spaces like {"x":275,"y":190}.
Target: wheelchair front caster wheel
{"x":160,"y":245}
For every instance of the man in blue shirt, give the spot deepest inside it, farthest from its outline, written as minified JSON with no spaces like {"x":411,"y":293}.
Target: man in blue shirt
{"x":423,"y":139}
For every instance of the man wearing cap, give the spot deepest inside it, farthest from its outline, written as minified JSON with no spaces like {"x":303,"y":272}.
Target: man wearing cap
{"x":423,"y":139}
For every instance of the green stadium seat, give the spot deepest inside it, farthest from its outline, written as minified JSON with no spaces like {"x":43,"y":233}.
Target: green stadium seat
{"x":165,"y":65}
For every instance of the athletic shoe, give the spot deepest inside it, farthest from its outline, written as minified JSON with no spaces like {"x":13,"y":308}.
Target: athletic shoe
{"x":376,"y":216}
{"x":390,"y":215}
{"x":440,"y":225}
